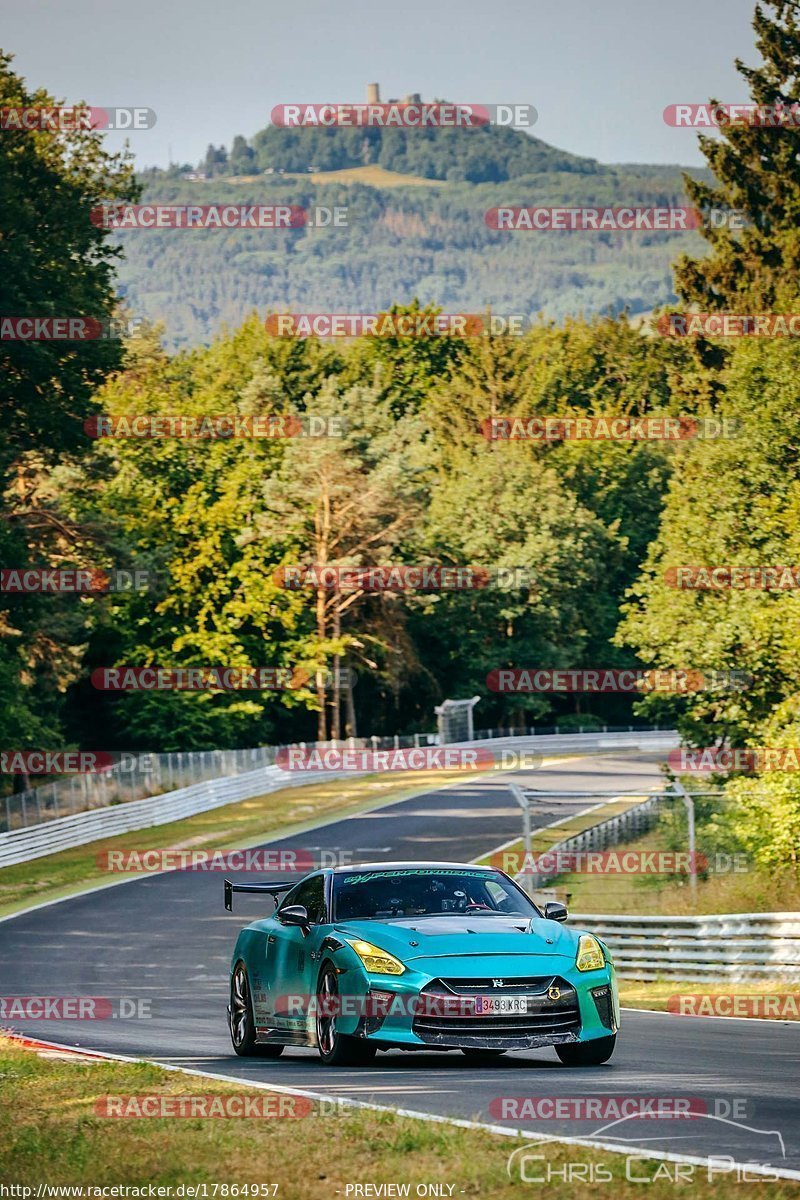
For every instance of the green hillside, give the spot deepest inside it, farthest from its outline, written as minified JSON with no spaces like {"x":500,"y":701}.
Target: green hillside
{"x":483,"y":155}
{"x":401,"y":242}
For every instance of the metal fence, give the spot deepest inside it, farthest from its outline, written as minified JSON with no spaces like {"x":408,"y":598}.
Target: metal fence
{"x":136,"y":776}
{"x":565,"y":730}
{"x":52,"y":833}
{"x":611,"y":831}
{"x":22,"y":845}
{"x":732,"y":946}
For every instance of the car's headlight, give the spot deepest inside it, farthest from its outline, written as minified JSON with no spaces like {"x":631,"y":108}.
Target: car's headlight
{"x":590,"y":954}
{"x":377,"y":961}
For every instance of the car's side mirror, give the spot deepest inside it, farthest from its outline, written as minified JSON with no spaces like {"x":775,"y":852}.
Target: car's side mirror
{"x":294,"y":914}
{"x":554,"y":910}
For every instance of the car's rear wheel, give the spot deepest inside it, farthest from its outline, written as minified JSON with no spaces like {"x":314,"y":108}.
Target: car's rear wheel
{"x":587,"y":1054}
{"x":241,"y":1022}
{"x":478,"y":1055}
{"x":336,"y":1049}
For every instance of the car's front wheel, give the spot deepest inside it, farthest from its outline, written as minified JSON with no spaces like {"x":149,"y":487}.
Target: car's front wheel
{"x":587,"y":1054}
{"x":241,"y":1021}
{"x":336,"y":1049}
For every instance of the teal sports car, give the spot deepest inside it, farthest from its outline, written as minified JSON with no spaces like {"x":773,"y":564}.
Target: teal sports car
{"x":417,"y":956}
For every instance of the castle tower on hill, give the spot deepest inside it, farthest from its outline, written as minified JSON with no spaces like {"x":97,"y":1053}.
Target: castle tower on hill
{"x":374,"y":96}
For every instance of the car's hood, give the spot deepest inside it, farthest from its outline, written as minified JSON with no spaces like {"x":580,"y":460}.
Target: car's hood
{"x":410,"y":938}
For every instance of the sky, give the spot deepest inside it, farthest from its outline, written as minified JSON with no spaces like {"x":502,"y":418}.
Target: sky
{"x":599,"y":74}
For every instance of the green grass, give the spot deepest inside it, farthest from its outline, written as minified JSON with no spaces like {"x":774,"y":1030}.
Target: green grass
{"x":51,"y":1133}
{"x":233,"y":826}
{"x":656,"y":995}
{"x":547,"y":837}
{"x":369,"y":176}
{"x":753,"y":890}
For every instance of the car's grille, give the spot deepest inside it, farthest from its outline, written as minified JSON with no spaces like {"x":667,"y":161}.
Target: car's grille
{"x":528,"y":985}
{"x":441,"y":1020}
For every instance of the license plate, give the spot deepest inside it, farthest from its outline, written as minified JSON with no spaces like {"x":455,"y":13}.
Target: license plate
{"x":487,"y":1006}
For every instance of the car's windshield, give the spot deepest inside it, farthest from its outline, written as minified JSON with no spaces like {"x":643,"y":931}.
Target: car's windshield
{"x":415,"y":892}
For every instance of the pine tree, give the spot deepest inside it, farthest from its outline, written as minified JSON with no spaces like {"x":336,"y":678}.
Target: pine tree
{"x":757,"y":173}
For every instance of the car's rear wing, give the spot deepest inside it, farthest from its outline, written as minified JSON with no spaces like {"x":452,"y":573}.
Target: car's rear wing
{"x":272,"y":889}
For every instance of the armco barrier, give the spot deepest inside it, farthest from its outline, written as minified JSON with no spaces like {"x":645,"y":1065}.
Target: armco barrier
{"x":21,"y":845}
{"x":733,"y":947}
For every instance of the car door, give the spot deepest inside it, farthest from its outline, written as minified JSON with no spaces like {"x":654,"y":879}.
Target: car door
{"x":292,"y":957}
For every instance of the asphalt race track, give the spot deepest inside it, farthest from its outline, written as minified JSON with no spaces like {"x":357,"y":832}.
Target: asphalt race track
{"x":167,"y":939}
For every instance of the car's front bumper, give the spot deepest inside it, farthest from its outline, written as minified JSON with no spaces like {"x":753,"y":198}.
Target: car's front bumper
{"x":568,"y":1006}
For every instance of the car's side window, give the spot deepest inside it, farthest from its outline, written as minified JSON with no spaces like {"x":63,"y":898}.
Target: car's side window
{"x":311,"y":894}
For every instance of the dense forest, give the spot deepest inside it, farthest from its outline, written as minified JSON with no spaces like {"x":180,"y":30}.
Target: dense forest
{"x":486,"y":154}
{"x":597,"y":528}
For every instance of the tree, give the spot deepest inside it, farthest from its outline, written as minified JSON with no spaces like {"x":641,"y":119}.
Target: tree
{"x":54,"y":262}
{"x":750,"y":522}
{"x":242,"y":156}
{"x":216,"y":160}
{"x":346,"y":501}
{"x":757,"y":174}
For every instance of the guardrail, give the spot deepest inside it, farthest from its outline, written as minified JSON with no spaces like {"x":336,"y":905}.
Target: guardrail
{"x":62,"y":833}
{"x":136,"y":776}
{"x":731,"y":947}
{"x":35,"y":841}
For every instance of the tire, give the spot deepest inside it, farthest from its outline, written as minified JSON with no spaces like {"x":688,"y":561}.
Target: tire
{"x":336,"y":1049}
{"x":240,"y":1019}
{"x":478,"y":1055}
{"x":587,"y":1054}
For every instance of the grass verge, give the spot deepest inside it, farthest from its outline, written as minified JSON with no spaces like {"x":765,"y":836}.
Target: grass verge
{"x":769,"y":999}
{"x":233,"y":826}
{"x":51,"y":1133}
{"x":737,"y":887}
{"x":547,"y":837}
